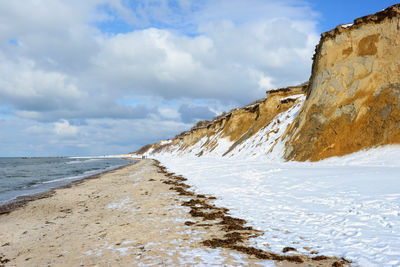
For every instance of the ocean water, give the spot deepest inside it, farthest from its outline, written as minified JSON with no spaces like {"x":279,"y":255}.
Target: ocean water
{"x":26,"y":176}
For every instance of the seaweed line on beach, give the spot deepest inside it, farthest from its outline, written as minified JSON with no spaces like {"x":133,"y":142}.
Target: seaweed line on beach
{"x":236,"y":233}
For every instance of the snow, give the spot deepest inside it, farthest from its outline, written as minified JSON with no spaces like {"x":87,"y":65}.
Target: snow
{"x":212,"y":257}
{"x":344,"y":206}
{"x":202,"y":146}
{"x":298,"y":96}
{"x":347,"y":25}
{"x":268,"y":139}
{"x":124,"y":205}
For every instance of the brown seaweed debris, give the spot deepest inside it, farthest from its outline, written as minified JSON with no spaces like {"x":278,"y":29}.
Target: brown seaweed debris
{"x":287,"y":249}
{"x":233,"y":224}
{"x":235,"y":235}
{"x":181,"y":191}
{"x":319,"y":258}
{"x":182,"y":185}
{"x":231,"y":220}
{"x":193,"y":202}
{"x":219,"y":242}
{"x":201,"y":204}
{"x":175,"y":183}
{"x":189,"y":223}
{"x":337,"y":264}
{"x":180,"y":178}
{"x":261,"y":254}
{"x":206,"y":215}
{"x":3,"y":260}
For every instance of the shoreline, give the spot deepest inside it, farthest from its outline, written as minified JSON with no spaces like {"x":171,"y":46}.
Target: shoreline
{"x":22,"y":200}
{"x":136,"y":214}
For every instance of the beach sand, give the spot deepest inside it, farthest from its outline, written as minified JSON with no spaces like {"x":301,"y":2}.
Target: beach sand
{"x":125,"y":217}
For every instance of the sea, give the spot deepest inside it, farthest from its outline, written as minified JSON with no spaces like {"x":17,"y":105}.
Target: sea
{"x":27,"y":176}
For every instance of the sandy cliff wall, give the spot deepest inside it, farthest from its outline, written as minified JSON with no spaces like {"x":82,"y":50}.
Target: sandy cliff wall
{"x":225,"y":133}
{"x":353,"y":99}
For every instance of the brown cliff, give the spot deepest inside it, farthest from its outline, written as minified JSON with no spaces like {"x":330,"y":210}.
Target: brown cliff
{"x":235,"y":126}
{"x":353,"y":99}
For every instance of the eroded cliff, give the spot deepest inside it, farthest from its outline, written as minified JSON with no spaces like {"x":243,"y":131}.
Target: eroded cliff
{"x":226,"y":134}
{"x":353,"y":99}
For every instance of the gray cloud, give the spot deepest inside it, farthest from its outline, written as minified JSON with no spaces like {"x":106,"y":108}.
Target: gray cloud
{"x":96,"y":137}
{"x":191,"y":114}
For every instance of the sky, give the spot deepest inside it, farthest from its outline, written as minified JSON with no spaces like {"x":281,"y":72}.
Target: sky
{"x":100,"y":77}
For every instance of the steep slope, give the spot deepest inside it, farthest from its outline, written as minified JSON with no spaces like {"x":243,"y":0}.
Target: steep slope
{"x":253,"y":128}
{"x":353,"y":101}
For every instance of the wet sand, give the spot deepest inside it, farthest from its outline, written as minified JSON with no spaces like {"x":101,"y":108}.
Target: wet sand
{"x":125,"y":217}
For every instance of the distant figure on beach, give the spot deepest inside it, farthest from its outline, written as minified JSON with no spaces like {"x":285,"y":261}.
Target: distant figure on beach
{"x":143,"y":157}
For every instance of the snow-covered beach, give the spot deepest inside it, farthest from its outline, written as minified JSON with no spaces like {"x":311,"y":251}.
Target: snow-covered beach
{"x":344,"y":206}
{"x":126,"y":217}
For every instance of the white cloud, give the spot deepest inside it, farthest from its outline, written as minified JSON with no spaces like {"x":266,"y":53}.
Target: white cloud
{"x":264,"y":82}
{"x":169,"y":112}
{"x":63,"y":128}
{"x":219,"y":64}
{"x":22,"y":80}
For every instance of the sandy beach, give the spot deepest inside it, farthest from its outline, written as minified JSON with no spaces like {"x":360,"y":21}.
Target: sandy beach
{"x":126,"y":217}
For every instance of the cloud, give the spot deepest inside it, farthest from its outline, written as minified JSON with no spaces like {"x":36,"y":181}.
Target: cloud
{"x":174,"y":62}
{"x":63,"y":128}
{"x":191,"y":114}
{"x":96,"y":137}
{"x":219,"y":64}
{"x":30,"y":88}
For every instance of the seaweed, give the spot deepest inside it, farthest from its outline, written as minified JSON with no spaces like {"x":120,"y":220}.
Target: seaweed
{"x":236,"y":233}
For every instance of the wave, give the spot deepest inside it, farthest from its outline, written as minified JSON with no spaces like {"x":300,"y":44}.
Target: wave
{"x":83,"y":175}
{"x":81,"y":161}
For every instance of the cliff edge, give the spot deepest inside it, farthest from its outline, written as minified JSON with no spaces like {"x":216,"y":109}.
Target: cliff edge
{"x":353,"y":100}
{"x":253,"y":129}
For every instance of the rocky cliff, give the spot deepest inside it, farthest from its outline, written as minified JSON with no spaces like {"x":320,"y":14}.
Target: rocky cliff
{"x":352,"y":102}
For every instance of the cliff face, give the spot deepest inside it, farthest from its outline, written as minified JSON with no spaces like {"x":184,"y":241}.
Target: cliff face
{"x":227,"y":133}
{"x":353,"y":100}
